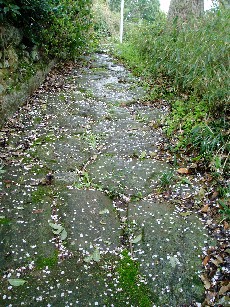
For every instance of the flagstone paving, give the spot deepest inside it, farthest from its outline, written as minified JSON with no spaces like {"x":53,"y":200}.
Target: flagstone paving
{"x":80,"y":222}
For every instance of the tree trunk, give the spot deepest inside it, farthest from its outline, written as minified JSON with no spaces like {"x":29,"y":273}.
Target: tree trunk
{"x":182,"y":9}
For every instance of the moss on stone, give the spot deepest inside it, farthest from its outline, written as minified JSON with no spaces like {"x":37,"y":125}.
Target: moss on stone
{"x":42,"y":262}
{"x":132,"y":283}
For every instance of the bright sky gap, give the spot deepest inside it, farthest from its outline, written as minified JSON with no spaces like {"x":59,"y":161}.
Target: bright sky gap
{"x":165,"y":5}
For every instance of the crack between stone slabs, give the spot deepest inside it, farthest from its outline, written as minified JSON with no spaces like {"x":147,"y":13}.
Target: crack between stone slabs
{"x":63,"y":252}
{"x":121,"y":204}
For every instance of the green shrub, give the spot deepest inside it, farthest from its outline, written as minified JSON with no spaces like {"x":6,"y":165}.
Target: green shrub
{"x":31,"y":16}
{"x":67,"y":34}
{"x":184,"y":115}
{"x":59,"y":27}
{"x":106,"y":22}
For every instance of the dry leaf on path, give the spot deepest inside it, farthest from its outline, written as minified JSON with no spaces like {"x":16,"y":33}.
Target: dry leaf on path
{"x":206,"y":260}
{"x":204,"y":209}
{"x":214,"y":195}
{"x":206,"y":282}
{"x":224,"y":289}
{"x":183,"y":170}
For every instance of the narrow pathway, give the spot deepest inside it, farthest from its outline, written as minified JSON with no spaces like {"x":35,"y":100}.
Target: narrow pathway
{"x":83,"y":221}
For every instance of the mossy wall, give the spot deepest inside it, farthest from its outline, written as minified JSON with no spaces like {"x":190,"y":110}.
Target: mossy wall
{"x":22,"y":70}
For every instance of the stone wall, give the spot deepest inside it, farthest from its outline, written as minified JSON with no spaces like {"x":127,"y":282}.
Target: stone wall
{"x":22,"y":70}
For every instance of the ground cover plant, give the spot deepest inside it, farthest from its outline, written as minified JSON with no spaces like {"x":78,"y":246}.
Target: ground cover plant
{"x":190,"y":62}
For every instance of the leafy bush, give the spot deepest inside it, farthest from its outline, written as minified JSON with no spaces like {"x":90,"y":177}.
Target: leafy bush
{"x":59,"y":27}
{"x":68,"y":29}
{"x":136,"y":9}
{"x":8,"y":9}
{"x":106,"y":22}
{"x":186,"y":114}
{"x":30,"y":15}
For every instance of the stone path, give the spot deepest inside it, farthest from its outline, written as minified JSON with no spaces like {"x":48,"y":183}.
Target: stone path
{"x":80,"y":224}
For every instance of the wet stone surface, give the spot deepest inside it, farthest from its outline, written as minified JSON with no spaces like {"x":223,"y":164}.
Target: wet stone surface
{"x":169,"y":251}
{"x":26,"y":235}
{"x":97,"y":225}
{"x":82,"y":162}
{"x":128,"y":176}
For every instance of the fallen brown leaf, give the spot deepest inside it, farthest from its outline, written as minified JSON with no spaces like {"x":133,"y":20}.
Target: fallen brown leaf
{"x":214,"y":195}
{"x":217,"y":261}
{"x":206,"y":282}
{"x":224,"y":289}
{"x":206,"y":260}
{"x":210,"y":297}
{"x":183,"y":170}
{"x":205,"y":208}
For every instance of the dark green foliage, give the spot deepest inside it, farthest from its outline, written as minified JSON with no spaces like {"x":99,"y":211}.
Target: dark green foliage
{"x":8,"y":9}
{"x":30,"y":15}
{"x":58,"y":27}
{"x":4,"y":221}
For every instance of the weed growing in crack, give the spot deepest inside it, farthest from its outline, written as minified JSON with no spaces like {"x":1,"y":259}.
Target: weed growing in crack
{"x":115,"y":192}
{"x":40,"y":194}
{"x":85,"y":182}
{"x":166,"y":179}
{"x":48,"y":138}
{"x":93,"y":140}
{"x":140,"y":118}
{"x":136,"y":197}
